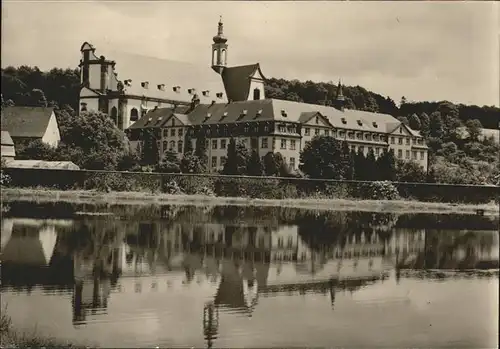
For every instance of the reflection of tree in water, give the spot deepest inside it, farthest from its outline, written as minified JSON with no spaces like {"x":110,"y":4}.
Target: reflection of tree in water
{"x":322,"y":229}
{"x":455,"y":250}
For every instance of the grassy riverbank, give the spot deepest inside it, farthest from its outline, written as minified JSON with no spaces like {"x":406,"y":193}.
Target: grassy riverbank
{"x":10,"y":338}
{"x":141,"y":198}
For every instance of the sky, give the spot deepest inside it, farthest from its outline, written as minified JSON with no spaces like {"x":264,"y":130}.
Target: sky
{"x":422,"y":50}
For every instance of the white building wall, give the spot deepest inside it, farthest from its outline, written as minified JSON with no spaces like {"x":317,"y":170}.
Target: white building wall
{"x":52,"y":136}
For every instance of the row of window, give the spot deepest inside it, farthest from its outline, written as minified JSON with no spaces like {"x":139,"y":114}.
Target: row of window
{"x":173,"y":132}
{"x":172,"y":146}
{"x":413,"y":154}
{"x":216,"y":162}
{"x":419,"y":141}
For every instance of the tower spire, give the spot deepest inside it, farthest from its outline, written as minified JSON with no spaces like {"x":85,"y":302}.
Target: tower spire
{"x":219,"y":49}
{"x":339,"y":99}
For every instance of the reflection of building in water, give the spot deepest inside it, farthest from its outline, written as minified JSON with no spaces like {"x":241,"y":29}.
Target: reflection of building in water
{"x":210,"y":323}
{"x":28,"y":241}
{"x":90,"y":294}
{"x":405,"y":242}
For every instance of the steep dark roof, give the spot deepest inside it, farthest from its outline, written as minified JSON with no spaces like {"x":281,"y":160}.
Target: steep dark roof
{"x":29,"y":122}
{"x":152,"y":118}
{"x":237,"y":81}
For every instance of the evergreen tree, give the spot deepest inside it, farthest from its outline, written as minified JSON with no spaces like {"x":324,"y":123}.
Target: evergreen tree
{"x":188,"y":145}
{"x":190,"y":163}
{"x":237,"y":158}
{"x":360,"y":166}
{"x":404,"y":120}
{"x":414,"y":122}
{"x":201,"y":148}
{"x":347,"y":162}
{"x":424,"y":124}
{"x":149,"y":148}
{"x":170,"y":163}
{"x":386,"y":165}
{"x":270,"y":167}
{"x":371,"y":166}
{"x":254,"y":166}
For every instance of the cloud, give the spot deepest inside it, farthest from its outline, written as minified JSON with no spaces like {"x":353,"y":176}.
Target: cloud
{"x":424,"y":50}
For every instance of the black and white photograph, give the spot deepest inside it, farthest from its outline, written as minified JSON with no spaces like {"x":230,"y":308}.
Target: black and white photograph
{"x":250,"y":174}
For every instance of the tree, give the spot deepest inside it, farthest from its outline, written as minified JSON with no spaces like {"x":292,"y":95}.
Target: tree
{"x":37,"y":98}
{"x":474,"y":129}
{"x":424,"y":124}
{"x":409,"y":171}
{"x":270,"y":166}
{"x":448,"y":149}
{"x":190,"y":163}
{"x":254,"y":166}
{"x":414,"y":122}
{"x":371,"y":166}
{"x":150,"y":152}
{"x":404,"y":120}
{"x":321,"y":158}
{"x":201,"y":148}
{"x":436,"y":125}
{"x":170,"y":163}
{"x":347,"y":162}
{"x":36,"y":150}
{"x":360,"y":167}
{"x":386,"y":165}
{"x":237,"y":158}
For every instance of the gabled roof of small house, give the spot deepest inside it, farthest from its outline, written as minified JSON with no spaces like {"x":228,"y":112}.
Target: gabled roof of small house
{"x":237,"y":81}
{"x":26,"y":122}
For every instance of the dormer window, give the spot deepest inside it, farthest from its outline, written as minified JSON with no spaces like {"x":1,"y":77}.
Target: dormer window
{"x":219,"y":95}
{"x":244,"y":112}
{"x":283,"y":113}
{"x":161,"y":87}
{"x":344,"y":121}
{"x":177,"y":89}
{"x":223,"y":116}
{"x":360,"y":123}
{"x":128,"y":82}
{"x":259,"y":113}
{"x":148,"y":121}
{"x":145,"y":84}
{"x":159,"y":120}
{"x":206,"y":93}
{"x":375,"y":124}
{"x":191,"y":91}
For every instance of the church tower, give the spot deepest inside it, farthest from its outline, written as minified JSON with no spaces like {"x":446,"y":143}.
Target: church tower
{"x":219,"y":49}
{"x":339,"y":102}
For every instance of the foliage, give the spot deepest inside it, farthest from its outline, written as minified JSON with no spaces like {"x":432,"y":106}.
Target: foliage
{"x":36,"y":150}
{"x":237,"y":158}
{"x":386,"y":166}
{"x":190,"y":163}
{"x":172,"y":187}
{"x":409,"y":171}
{"x":322,"y":158}
{"x":150,"y":152}
{"x":254,"y":165}
{"x":4,"y":178}
{"x":473,"y":129}
{"x":379,"y":190}
{"x":170,"y":163}
{"x":201,"y":148}
{"x":414,"y":122}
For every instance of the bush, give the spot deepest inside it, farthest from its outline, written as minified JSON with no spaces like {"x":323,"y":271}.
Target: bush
{"x":171,"y":187}
{"x":380,"y":190}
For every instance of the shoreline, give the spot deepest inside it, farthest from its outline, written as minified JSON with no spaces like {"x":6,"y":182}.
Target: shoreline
{"x":142,"y":198}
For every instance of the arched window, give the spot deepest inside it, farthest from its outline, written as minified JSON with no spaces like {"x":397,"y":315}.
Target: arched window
{"x":114,"y":115}
{"x":256,"y":94}
{"x":179,"y":146}
{"x":214,"y":57}
{"x":134,"y":114}
{"x":83,"y":106}
{"x":171,"y":145}
{"x":223,"y":57}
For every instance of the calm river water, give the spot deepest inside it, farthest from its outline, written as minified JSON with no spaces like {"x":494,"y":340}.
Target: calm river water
{"x":186,"y":276}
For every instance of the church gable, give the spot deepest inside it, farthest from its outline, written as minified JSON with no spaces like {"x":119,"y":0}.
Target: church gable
{"x":402,"y":130}
{"x":314,"y":119}
{"x":87,"y":92}
{"x":174,"y":121}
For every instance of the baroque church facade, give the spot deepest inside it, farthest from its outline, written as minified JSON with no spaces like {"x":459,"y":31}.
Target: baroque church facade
{"x":181,"y":103}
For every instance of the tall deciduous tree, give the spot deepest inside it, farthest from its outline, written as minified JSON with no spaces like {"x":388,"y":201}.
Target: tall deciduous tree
{"x":436,"y":125}
{"x":201,"y":148}
{"x":474,"y":129}
{"x":424,"y":125}
{"x":170,"y":162}
{"x":321,"y":158}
